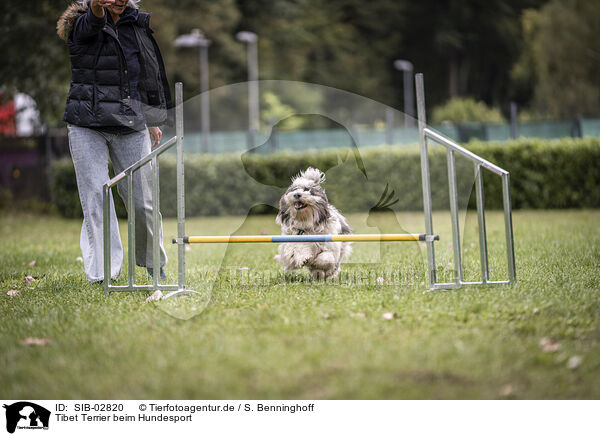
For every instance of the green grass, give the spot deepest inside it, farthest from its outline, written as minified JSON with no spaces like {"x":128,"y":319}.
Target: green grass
{"x":264,"y":335}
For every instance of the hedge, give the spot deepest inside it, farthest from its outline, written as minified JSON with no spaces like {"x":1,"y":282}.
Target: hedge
{"x":544,"y":174}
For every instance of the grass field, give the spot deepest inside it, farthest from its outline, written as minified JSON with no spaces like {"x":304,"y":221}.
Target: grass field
{"x":264,"y":335}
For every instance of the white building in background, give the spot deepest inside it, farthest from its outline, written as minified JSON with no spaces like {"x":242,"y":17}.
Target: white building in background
{"x":27,"y":116}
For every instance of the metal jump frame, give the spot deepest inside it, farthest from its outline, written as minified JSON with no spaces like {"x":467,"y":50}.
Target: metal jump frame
{"x":128,"y":174}
{"x":479,"y":164}
{"x":429,"y":238}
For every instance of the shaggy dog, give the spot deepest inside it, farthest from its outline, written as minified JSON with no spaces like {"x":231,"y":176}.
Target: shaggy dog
{"x":304,"y":209}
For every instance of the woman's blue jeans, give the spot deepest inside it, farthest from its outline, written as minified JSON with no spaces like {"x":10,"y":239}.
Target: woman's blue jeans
{"x":90,"y":151}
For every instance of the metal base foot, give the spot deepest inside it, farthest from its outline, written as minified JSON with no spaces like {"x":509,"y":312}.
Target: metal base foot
{"x":180,"y":293}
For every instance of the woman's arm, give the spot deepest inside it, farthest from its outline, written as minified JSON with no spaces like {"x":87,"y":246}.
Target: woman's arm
{"x":92,"y":21}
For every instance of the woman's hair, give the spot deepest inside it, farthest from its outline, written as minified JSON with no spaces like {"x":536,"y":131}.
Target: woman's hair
{"x":131,"y":3}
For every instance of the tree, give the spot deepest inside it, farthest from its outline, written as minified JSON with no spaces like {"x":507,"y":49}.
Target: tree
{"x":466,"y":47}
{"x":463,"y":110}
{"x":344,"y":44}
{"x":561,"y":58}
{"x":34,"y":59}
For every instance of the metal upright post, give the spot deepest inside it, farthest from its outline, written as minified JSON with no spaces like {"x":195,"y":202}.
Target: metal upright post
{"x":425,"y":177}
{"x":131,"y":230}
{"x":180,"y":185}
{"x":106,"y":217}
{"x":510,"y":246}
{"x":480,"y":200}
{"x":458,"y":269}
{"x":155,"y":222}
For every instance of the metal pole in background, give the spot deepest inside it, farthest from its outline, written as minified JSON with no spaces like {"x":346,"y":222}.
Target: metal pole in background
{"x":513,"y":120}
{"x":425,"y":177}
{"x":180,"y":185}
{"x":389,"y":125}
{"x":253,"y":103}
{"x":204,"y":97}
{"x":409,"y":100}
{"x":197,"y":39}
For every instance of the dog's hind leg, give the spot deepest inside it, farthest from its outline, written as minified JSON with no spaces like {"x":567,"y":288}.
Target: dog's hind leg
{"x":317,"y":274}
{"x":324,"y":266}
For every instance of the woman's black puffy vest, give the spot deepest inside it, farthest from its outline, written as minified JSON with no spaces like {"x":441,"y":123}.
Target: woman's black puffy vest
{"x":99,"y":95}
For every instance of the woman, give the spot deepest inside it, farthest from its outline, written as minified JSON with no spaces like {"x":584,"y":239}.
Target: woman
{"x":119,"y":95}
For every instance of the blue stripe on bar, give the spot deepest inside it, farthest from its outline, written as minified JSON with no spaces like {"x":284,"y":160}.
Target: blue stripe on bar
{"x":301,"y":238}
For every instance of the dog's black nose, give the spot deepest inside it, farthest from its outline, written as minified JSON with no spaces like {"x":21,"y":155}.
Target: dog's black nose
{"x":297,"y":196}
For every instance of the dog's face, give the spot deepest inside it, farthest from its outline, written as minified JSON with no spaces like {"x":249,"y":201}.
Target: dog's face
{"x":305,"y":200}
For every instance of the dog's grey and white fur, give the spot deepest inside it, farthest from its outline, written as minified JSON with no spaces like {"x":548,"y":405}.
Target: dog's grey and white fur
{"x":304,"y":209}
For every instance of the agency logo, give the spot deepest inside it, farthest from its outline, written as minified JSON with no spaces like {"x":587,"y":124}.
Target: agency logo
{"x":26,"y":415}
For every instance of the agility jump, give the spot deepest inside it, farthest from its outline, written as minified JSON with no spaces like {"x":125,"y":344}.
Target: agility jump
{"x":425,"y":134}
{"x":392,"y":237}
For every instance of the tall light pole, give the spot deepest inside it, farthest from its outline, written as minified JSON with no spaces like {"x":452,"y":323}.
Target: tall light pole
{"x":196,"y":39}
{"x":251,"y":39}
{"x":409,"y":100}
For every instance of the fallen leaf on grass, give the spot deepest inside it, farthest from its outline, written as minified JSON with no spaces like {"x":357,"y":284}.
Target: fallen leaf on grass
{"x":507,"y":390}
{"x":548,"y":345}
{"x":32,"y":263}
{"x":13,"y":293}
{"x":36,"y":341}
{"x":574,"y":362}
{"x":158,"y":295}
{"x":389,"y":315}
{"x":29,"y":280}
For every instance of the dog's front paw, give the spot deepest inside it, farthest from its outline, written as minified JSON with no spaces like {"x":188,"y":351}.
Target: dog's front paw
{"x":332,"y":273}
{"x":322,"y":275}
{"x":318,"y":274}
{"x":300,"y":259}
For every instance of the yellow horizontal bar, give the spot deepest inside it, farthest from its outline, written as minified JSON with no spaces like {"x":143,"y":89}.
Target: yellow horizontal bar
{"x":216,"y":239}
{"x":385,"y":237}
{"x":303,"y":238}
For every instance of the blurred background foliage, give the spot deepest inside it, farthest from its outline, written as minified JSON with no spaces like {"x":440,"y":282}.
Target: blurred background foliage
{"x":542,"y":54}
{"x":460,"y":110}
{"x":535,"y":181}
